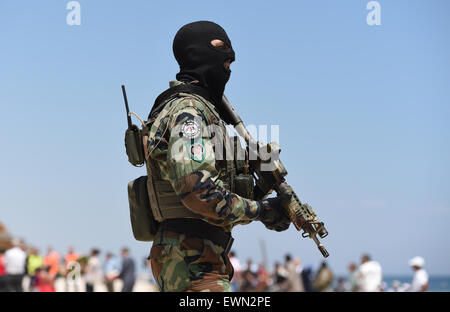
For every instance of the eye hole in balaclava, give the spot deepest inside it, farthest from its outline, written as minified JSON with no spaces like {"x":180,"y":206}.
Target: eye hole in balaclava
{"x":219,"y":44}
{"x":204,"y":53}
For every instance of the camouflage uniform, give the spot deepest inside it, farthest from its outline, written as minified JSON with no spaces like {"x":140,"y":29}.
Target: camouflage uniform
{"x":188,"y":161}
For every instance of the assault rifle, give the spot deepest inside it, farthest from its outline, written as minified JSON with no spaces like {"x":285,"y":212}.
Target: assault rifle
{"x":270,"y":175}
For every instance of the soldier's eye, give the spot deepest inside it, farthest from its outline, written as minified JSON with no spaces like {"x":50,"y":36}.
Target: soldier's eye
{"x":220,"y":44}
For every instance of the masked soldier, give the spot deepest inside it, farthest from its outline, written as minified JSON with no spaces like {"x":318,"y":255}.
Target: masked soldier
{"x":191,"y":181}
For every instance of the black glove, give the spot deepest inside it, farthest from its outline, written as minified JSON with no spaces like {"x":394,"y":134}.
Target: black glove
{"x":272,"y":213}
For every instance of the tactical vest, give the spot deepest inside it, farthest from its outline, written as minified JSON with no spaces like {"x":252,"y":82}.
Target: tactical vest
{"x":164,"y":202}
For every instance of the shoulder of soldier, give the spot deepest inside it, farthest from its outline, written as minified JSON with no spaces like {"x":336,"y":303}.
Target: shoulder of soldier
{"x":184,"y":102}
{"x":188,"y":102}
{"x":190,"y":105}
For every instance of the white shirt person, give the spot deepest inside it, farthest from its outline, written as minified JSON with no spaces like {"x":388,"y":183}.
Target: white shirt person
{"x":369,"y":277}
{"x":420,"y":278}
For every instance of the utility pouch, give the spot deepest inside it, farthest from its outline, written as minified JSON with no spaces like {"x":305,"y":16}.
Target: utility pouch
{"x":134,"y":146}
{"x":244,"y":185}
{"x":143,"y":222}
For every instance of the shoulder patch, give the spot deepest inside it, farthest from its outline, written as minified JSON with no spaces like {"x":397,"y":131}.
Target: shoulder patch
{"x":197,"y":151}
{"x":191,"y":128}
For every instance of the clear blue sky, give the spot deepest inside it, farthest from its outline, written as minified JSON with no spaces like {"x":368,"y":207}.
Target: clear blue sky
{"x":363,"y":114}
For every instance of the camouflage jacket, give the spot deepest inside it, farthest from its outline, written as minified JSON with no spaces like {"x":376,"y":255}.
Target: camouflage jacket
{"x":183,"y":145}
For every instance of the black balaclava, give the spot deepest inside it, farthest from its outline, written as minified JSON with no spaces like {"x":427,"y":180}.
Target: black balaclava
{"x":200,"y":60}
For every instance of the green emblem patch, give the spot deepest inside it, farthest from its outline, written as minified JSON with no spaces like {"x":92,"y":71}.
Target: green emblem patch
{"x":197,"y":151}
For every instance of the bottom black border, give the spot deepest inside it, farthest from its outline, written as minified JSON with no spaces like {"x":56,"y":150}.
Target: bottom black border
{"x":164,"y":302}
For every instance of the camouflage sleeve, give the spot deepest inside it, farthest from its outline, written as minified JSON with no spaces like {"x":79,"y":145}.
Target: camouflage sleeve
{"x":194,"y":176}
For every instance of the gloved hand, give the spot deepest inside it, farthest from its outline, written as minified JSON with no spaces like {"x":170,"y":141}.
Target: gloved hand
{"x":272,"y":213}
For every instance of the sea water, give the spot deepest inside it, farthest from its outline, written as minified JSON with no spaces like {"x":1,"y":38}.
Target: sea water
{"x":435,"y":283}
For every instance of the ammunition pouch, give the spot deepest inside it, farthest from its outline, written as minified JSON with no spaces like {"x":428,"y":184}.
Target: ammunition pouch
{"x":143,"y":223}
{"x":244,"y":185}
{"x":233,"y":171}
{"x":167,"y":204}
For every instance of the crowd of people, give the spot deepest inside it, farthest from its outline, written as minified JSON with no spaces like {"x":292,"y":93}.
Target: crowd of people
{"x":292,"y":276}
{"x":24,"y":269}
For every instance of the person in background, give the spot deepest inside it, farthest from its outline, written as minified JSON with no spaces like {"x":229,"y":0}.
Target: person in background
{"x":237,"y":276}
{"x":3,"y":283}
{"x":71,"y":256}
{"x":51,"y":260}
{"x":307,"y":278}
{"x":292,"y":266}
{"x":263,"y":277}
{"x":44,"y":281}
{"x":352,"y":279}
{"x":34,"y":262}
{"x":340,"y":286}
{"x":420,"y":279}
{"x":94,"y":272}
{"x":249,"y":277}
{"x":15,"y":265}
{"x":127,"y":272}
{"x":279,"y":278}
{"x":36,"y":280}
{"x":71,"y":266}
{"x":112,"y":270}
{"x":369,"y":275}
{"x":324,"y":278}
{"x":2,"y":263}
